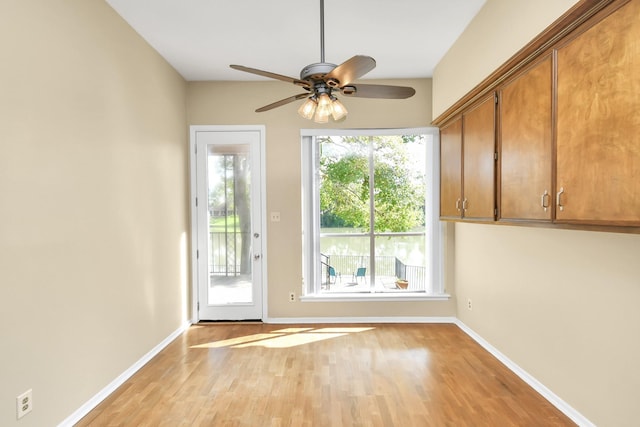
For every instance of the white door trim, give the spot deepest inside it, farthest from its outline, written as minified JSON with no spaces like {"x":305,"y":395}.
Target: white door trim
{"x":194,"y":214}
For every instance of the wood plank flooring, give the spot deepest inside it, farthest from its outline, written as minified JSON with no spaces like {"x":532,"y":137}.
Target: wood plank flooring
{"x":229,"y":374}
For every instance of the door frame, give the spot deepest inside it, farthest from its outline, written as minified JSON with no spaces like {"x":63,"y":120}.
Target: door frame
{"x":193,"y":129}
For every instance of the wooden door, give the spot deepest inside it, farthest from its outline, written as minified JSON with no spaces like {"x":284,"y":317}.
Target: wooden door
{"x":479,"y":161}
{"x":526,"y":145}
{"x":451,"y":170}
{"x":598,"y":129}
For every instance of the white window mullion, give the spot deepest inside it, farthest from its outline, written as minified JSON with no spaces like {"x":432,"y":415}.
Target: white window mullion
{"x":315,"y":210}
{"x":372,"y":235}
{"x":309,"y":224}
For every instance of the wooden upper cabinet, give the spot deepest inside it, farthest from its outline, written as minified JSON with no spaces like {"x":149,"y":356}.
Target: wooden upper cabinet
{"x":478,"y":142}
{"x":598,"y":122}
{"x":451,"y":170}
{"x":567,"y":129}
{"x":526,"y":144}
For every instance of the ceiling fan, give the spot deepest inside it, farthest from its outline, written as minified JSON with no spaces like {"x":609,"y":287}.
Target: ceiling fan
{"x":322,"y":80}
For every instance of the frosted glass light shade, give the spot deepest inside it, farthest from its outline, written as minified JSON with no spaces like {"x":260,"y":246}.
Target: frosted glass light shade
{"x":338,"y":110}
{"x":307,"y":109}
{"x":324,"y":109}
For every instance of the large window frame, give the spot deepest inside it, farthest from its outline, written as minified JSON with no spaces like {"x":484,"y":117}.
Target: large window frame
{"x":312,"y":275}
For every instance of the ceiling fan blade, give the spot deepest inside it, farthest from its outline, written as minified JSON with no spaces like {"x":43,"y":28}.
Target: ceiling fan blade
{"x":282,"y":102}
{"x":352,"y":69}
{"x":270,"y":75}
{"x":377,"y":91}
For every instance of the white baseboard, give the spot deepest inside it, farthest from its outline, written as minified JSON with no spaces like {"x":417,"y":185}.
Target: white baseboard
{"x":556,"y":401}
{"x":113,"y":385}
{"x":311,"y":320}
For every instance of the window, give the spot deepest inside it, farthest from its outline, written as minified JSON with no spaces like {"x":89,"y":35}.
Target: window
{"x":370,"y":206}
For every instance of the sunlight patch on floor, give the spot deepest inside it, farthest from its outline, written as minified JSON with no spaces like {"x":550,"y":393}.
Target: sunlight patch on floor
{"x":293,"y":340}
{"x":284,"y":338}
{"x":235,"y":341}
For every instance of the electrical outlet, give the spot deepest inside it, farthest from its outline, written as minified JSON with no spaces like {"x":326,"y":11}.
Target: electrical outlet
{"x":24,"y":403}
{"x":469,"y":304}
{"x":275,"y":216}
{"x":292,"y":297}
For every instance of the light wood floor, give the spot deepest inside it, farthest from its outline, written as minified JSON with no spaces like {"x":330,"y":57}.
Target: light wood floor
{"x":324,"y":375}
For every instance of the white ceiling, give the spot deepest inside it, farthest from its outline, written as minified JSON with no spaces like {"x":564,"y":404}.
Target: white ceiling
{"x":201,"y":38}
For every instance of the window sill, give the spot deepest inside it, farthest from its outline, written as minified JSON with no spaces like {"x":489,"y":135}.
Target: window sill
{"x":382,"y":296}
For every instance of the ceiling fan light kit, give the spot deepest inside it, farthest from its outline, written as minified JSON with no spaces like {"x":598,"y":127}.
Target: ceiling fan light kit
{"x":320,"y":107}
{"x":321,"y":79}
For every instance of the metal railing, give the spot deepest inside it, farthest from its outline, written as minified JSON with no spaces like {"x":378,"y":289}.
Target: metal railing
{"x":225,"y":253}
{"x":415,"y":275}
{"x":387,"y":266}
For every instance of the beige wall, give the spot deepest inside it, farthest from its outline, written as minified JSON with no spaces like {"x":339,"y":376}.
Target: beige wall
{"x":93,"y":210}
{"x":227,"y":103}
{"x":499,"y":30}
{"x":561,"y":304}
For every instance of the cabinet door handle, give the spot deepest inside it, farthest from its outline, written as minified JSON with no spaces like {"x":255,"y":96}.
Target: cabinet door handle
{"x":558,"y":195}
{"x":464,"y":204}
{"x":458,"y":205}
{"x":544,"y":200}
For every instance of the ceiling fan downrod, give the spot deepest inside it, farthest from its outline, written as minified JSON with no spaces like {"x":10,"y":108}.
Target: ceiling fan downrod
{"x":322,"y":31}
{"x":316,"y":72}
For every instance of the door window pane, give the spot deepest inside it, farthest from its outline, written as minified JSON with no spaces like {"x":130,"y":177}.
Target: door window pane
{"x":229,"y":181}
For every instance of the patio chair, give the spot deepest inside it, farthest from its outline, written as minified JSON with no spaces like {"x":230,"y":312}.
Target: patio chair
{"x":332,"y":275}
{"x":360,"y":272}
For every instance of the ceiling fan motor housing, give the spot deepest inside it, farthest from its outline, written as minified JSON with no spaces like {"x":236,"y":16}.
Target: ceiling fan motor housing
{"x":316,"y":71}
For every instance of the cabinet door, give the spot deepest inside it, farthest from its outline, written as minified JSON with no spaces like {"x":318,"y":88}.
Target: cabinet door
{"x":451,"y":170}
{"x":478,"y":161}
{"x":598,"y":129}
{"x":525,"y":145}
